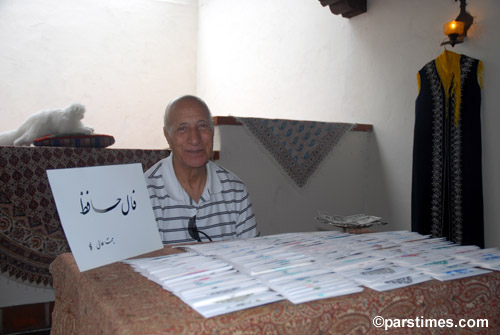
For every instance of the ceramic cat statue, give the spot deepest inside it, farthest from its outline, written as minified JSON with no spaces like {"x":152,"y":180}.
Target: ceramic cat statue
{"x":48,"y":122}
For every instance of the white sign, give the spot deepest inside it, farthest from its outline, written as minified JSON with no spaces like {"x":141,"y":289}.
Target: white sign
{"x":105,"y":212}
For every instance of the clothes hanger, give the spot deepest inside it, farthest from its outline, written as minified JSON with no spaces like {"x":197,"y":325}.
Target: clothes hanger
{"x":447,"y":53}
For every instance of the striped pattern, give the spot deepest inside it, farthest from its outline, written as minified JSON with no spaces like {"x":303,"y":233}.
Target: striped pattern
{"x":224,"y":211}
{"x":78,"y":141}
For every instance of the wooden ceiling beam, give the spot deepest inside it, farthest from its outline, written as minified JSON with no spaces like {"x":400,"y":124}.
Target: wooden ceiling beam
{"x":346,"y":8}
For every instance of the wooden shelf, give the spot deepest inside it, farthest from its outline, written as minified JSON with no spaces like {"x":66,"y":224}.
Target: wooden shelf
{"x":26,"y":318}
{"x":232,"y":121}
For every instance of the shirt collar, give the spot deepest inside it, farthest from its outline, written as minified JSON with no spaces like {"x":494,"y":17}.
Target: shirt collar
{"x":174,"y":188}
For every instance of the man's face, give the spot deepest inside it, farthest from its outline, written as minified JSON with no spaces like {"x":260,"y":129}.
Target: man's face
{"x":191,"y":137}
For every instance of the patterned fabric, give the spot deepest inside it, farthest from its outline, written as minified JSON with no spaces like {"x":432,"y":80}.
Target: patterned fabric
{"x":298,"y":146}
{"x":31,"y":235}
{"x":114,"y":299}
{"x":447,"y":197}
{"x":87,"y":141}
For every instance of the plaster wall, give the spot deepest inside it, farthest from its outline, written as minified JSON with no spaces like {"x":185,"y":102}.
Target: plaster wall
{"x":294,"y":59}
{"x":338,"y":186}
{"x":123,"y":59}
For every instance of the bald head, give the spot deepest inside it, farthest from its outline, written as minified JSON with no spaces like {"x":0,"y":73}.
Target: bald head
{"x":177,"y":104}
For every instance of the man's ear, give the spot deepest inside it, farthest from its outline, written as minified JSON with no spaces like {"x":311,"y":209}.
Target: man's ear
{"x":165,"y":133}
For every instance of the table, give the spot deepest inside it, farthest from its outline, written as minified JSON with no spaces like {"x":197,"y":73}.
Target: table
{"x":113,"y":299}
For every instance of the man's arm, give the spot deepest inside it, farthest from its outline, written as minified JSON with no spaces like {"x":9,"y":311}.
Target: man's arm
{"x":246,"y":226}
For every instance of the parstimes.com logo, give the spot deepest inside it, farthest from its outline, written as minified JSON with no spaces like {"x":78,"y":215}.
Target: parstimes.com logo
{"x":421,"y":322}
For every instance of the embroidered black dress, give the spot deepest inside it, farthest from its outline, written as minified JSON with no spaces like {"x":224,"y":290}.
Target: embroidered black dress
{"x":447,"y":195}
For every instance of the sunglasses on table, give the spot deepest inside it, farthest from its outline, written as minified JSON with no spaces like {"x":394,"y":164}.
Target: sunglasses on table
{"x":194,"y":232}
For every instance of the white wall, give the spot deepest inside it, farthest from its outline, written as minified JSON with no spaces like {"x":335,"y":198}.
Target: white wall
{"x":294,"y":59}
{"x":338,"y":185}
{"x":123,"y":59}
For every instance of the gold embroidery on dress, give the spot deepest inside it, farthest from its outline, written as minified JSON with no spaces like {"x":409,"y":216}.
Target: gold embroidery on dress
{"x":448,"y":67}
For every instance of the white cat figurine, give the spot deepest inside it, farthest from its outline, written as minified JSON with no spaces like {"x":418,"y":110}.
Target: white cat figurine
{"x":48,"y":122}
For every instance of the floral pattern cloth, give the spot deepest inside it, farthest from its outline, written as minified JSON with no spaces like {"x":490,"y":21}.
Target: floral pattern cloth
{"x":114,"y":299}
{"x":299,"y":147}
{"x":31,"y":235}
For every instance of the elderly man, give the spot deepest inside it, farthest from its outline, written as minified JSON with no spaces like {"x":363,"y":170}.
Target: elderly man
{"x":194,"y":198}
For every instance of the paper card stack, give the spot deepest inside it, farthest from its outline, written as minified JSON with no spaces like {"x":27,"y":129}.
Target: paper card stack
{"x":165,"y":269}
{"x":303,"y":287}
{"x":377,"y":272}
{"x":383,"y":276}
{"x":221,"y":277}
{"x":485,"y":258}
{"x":209,"y":286}
{"x":405,"y":279}
{"x":456,"y":272}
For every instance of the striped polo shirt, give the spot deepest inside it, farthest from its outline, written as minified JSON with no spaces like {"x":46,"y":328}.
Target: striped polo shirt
{"x":224,"y":211}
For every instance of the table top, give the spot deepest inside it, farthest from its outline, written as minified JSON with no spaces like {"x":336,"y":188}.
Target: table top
{"x":113,"y":299}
